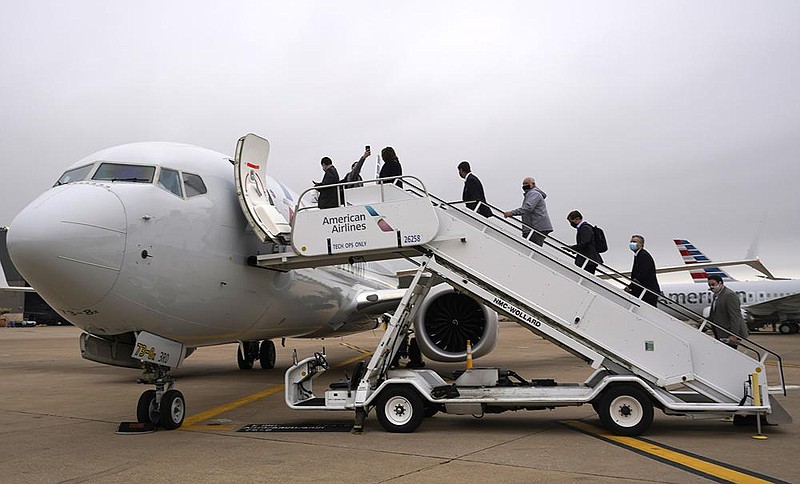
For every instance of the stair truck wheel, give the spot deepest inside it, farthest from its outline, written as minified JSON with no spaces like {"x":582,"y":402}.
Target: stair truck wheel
{"x":400,"y":409}
{"x":146,"y":411}
{"x":625,"y":410}
{"x":172,"y":410}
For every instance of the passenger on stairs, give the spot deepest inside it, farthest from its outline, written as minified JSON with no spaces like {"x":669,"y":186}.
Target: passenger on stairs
{"x":391,"y":165}
{"x":533,"y":211}
{"x":585,"y":245}
{"x":643,"y":273}
{"x":726,"y":311}
{"x":327,"y":196}
{"x":473,"y":190}
{"x":354,"y":175}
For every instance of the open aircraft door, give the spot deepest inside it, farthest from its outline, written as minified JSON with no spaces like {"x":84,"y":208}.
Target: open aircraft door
{"x":250,"y":167}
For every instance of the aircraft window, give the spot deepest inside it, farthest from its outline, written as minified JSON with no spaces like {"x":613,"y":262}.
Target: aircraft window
{"x":74,"y":175}
{"x":193,"y":185}
{"x":169,"y":180}
{"x":125,"y":173}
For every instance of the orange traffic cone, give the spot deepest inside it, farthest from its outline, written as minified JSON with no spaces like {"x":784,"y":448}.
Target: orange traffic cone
{"x":469,"y":355}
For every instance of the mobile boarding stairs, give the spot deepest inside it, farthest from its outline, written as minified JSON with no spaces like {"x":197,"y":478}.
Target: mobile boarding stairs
{"x":642,"y":356}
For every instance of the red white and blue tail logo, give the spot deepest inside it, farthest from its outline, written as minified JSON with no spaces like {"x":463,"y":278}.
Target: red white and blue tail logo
{"x":692,"y":255}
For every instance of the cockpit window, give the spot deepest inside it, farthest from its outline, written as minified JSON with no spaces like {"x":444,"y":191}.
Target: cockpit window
{"x":76,"y":174}
{"x":170,"y":181}
{"x":193,"y":185}
{"x":125,"y":173}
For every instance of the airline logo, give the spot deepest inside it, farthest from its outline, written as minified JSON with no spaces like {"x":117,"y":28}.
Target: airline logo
{"x":382,"y":223}
{"x":692,"y":255}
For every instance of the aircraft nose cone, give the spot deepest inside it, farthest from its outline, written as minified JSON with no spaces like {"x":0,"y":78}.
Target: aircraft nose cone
{"x":69,"y":244}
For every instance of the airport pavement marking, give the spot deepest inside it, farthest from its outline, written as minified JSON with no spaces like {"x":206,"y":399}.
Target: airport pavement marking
{"x":681,"y":459}
{"x":190,"y":422}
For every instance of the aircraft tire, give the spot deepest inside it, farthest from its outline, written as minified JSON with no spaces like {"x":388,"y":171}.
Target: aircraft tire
{"x":245,"y":362}
{"x":400,"y":409}
{"x":146,"y":410}
{"x":786,"y":328}
{"x":625,"y":410}
{"x":172,"y":410}
{"x":267,"y":354}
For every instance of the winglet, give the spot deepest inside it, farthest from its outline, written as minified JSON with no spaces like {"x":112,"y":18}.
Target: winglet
{"x":692,"y":255}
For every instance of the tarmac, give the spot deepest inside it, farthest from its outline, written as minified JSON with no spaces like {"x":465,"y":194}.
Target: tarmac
{"x":59,"y":414}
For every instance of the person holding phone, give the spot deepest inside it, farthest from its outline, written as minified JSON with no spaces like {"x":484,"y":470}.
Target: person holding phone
{"x":354,"y":175}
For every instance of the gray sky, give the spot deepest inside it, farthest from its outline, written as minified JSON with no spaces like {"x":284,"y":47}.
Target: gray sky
{"x":669,"y":119}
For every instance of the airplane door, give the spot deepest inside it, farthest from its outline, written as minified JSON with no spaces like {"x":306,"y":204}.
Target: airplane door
{"x":250,"y":168}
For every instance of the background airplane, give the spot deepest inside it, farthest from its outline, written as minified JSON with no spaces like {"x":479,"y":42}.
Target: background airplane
{"x":766,"y":301}
{"x":151,"y":237}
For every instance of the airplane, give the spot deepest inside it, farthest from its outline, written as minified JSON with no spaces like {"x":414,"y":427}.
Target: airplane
{"x":769,"y":301}
{"x":152,"y":240}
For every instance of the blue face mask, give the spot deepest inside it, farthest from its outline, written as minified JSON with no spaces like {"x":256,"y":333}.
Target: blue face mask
{"x":633,"y":246}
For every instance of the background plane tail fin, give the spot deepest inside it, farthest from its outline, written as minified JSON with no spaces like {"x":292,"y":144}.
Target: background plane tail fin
{"x":692,"y":255}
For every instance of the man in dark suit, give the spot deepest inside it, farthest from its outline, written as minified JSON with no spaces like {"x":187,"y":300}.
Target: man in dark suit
{"x":726,"y":311}
{"x":473,"y":190}
{"x":327,"y":196}
{"x":585,"y":244}
{"x":643,"y":273}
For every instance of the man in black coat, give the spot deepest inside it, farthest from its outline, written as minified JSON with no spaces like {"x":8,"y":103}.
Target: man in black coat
{"x":585,"y":244}
{"x":327,"y":196}
{"x":643,"y":273}
{"x":473,"y":190}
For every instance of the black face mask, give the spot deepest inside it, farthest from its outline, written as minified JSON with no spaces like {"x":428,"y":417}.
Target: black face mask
{"x":525,"y":188}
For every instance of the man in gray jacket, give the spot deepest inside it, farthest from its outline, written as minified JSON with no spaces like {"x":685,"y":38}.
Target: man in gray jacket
{"x":726,"y":311}
{"x":534,"y":212}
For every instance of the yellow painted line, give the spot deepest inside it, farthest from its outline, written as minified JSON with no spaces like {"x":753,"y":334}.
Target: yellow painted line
{"x":355,"y":348}
{"x":190,"y":422}
{"x":695,"y":464}
{"x":213,"y":412}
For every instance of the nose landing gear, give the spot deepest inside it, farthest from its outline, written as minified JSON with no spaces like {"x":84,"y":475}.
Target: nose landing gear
{"x":164,"y":406}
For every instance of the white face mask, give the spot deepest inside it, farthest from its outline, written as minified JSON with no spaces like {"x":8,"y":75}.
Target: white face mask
{"x":634,"y":247}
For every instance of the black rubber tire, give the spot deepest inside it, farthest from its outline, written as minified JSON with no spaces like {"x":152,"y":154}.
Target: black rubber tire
{"x":245,"y":362}
{"x":431,"y":409}
{"x":785,"y":328}
{"x":172,"y":410}
{"x":400,"y":409}
{"x":625,"y":410}
{"x":146,"y":411}
{"x":266,"y":354}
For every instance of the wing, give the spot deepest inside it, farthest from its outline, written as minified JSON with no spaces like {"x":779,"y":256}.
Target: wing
{"x":754,"y":263}
{"x":788,"y":305}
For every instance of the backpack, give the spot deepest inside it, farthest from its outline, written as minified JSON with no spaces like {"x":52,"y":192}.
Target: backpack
{"x":600,"y":240}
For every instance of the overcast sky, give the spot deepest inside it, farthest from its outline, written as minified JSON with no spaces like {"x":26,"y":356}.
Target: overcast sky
{"x":669,"y":119}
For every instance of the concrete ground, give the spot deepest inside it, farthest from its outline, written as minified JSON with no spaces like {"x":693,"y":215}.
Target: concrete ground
{"x":59,"y":413}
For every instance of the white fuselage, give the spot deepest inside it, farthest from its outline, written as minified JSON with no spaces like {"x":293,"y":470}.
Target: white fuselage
{"x":697,"y":297}
{"x":119,"y":256}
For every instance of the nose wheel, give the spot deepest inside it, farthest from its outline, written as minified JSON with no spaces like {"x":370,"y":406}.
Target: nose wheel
{"x":164,"y":407}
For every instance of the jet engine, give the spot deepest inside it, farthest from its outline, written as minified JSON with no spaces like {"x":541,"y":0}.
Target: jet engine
{"x":446,"y":319}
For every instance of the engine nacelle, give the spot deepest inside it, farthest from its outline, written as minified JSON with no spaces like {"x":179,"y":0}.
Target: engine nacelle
{"x":446,"y":319}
